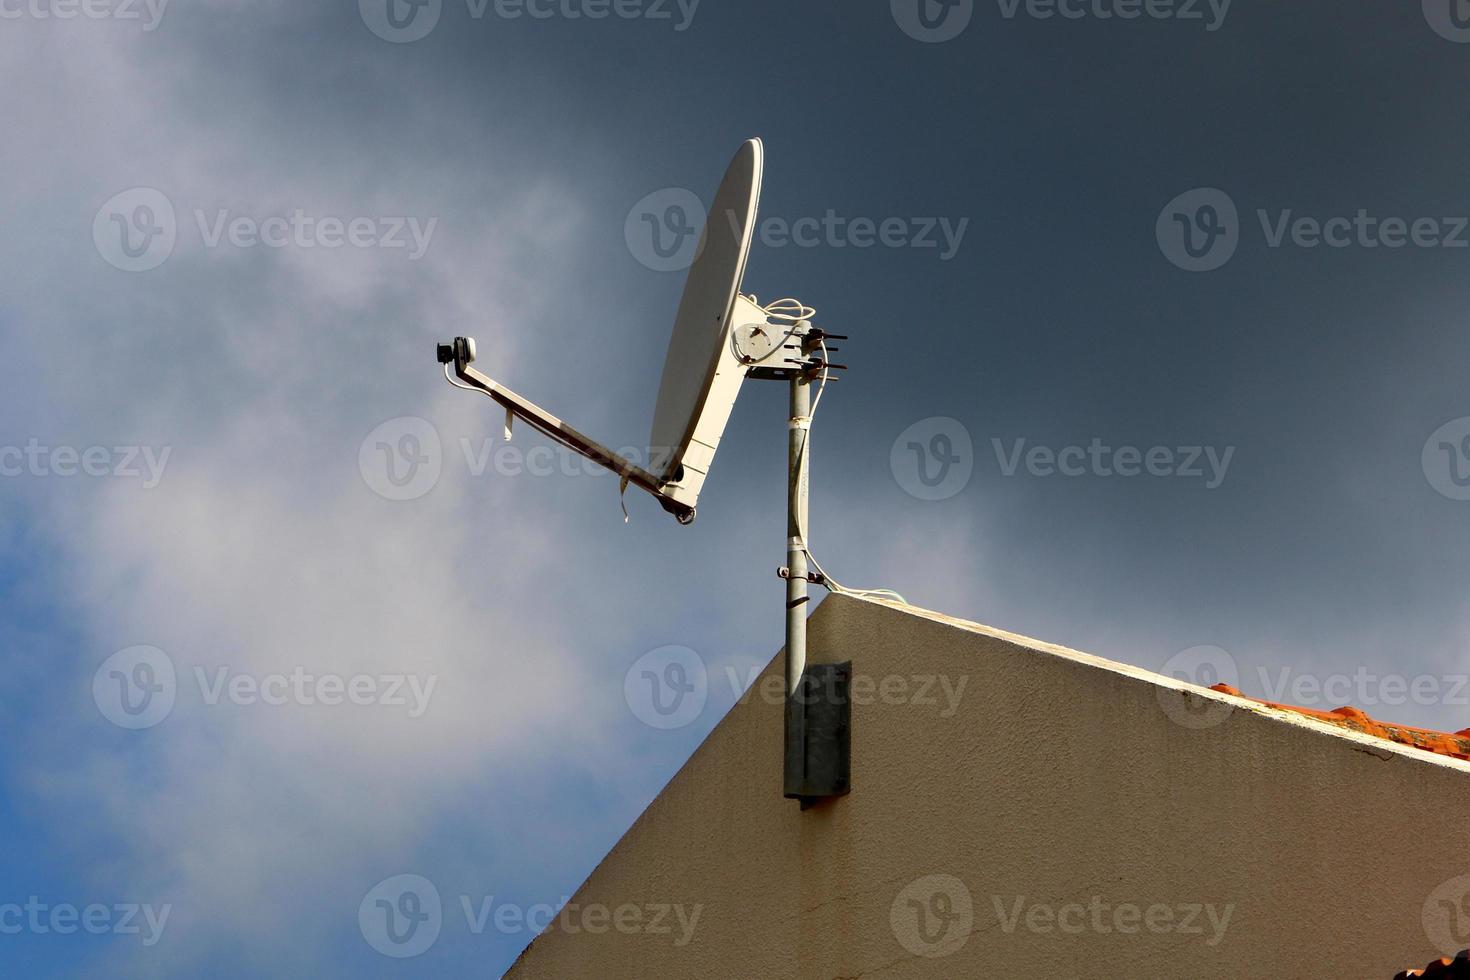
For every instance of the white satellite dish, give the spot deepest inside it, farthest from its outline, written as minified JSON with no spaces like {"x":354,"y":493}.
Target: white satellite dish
{"x":720,"y":338}
{"x":701,"y":374}
{"x":702,"y":371}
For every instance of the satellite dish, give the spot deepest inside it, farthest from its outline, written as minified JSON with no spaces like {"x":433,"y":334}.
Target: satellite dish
{"x":701,"y":374}
{"x":702,"y":371}
{"x":720,"y":338}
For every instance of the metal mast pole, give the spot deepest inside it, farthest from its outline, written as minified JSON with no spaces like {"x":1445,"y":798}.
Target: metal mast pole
{"x":818,"y":747}
{"x":797,"y":697}
{"x":798,"y":464}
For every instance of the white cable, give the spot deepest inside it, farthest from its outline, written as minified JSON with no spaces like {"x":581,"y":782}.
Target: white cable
{"x":782,"y":310}
{"x":790,"y":310}
{"x":460,"y":384}
{"x":830,"y":583}
{"x":823,"y":386}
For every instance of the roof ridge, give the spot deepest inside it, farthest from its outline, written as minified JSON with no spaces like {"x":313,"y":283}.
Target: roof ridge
{"x":1453,"y":744}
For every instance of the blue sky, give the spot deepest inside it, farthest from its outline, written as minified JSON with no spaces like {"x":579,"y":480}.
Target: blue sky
{"x":237,"y":388}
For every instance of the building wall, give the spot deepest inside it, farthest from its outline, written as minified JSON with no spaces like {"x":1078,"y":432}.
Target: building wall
{"x":1069,"y":817}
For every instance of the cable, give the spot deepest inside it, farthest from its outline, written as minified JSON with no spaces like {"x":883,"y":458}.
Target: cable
{"x":460,"y":384}
{"x":790,"y":310}
{"x":783,"y":310}
{"x":823,"y":386}
{"x":828,"y":582}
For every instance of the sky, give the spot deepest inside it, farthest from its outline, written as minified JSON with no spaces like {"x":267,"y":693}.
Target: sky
{"x":1157,"y":351}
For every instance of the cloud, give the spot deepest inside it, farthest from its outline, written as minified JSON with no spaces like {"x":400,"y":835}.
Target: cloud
{"x":263,"y":549}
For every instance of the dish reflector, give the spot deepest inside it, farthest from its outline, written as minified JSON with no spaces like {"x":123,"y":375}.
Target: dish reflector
{"x":701,"y":374}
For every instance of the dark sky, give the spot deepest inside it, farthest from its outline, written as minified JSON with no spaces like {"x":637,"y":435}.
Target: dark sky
{"x":1064,"y":154}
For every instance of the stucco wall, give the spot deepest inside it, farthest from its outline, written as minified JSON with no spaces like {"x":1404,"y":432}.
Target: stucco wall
{"x":1104,"y":812}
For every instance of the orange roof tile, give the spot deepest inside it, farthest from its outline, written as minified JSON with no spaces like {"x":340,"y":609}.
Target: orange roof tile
{"x":1456,"y":745}
{"x":1443,"y":968}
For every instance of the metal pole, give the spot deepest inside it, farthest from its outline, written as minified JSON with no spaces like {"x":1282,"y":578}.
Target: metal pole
{"x":798,"y":462}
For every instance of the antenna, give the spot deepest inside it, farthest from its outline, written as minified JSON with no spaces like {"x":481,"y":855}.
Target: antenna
{"x":720,"y":338}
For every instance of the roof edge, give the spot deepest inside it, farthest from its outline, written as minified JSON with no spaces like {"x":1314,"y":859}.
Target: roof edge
{"x":1280,"y":714}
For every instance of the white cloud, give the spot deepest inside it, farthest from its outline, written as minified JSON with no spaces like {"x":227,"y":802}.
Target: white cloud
{"x":263,"y":549}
